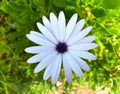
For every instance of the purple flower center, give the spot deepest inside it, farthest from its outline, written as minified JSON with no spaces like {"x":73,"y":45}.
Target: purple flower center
{"x":61,"y":47}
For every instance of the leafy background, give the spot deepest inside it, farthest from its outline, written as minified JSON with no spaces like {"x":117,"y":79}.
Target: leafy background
{"x":18,"y":17}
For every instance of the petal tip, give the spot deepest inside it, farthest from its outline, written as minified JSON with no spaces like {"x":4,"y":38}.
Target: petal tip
{"x":96,"y":45}
{"x":62,"y":12}
{"x":76,"y":15}
{"x":51,"y":14}
{"x":38,"y":24}
{"x":29,"y":61}
{"x":94,"y":37}
{"x":44,"y":78}
{"x":25,"y":49}
{"x":90,"y":27}
{"x":43,"y":17}
{"x":82,"y":20}
{"x":95,"y":58}
{"x":36,"y":71}
{"x":53,"y":82}
{"x":88,"y":69}
{"x":69,"y":81}
{"x":27,"y":35}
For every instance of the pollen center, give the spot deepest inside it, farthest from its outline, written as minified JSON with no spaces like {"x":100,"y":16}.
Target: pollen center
{"x":61,"y":47}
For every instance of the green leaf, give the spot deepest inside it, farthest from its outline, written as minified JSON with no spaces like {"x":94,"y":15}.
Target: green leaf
{"x":111,"y":4}
{"x":4,"y":6}
{"x":1,"y":12}
{"x":16,"y":7}
{"x":98,"y":12}
{"x":109,"y":47}
{"x":59,"y":3}
{"x":97,"y":2}
{"x":114,"y":31}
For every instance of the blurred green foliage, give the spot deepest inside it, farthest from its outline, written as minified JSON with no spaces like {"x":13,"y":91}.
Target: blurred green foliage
{"x":18,"y":17}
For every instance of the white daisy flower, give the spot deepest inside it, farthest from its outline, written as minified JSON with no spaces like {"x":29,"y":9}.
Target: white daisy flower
{"x":59,"y":44}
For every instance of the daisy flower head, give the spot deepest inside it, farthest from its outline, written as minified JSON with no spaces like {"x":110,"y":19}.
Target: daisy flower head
{"x":61,"y":44}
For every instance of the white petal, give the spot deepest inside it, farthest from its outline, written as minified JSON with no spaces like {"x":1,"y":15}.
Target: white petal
{"x":78,"y":28}
{"x":70,"y":26}
{"x":37,"y":58}
{"x":74,"y":66}
{"x":34,"y":59}
{"x":54,"y":25}
{"x":87,"y":39}
{"x":79,"y":36}
{"x":84,"y":46}
{"x":67,"y":69}
{"x":45,"y":62}
{"x":38,"y":49}
{"x":48,"y":71}
{"x":83,"y":65}
{"x":81,"y":62}
{"x":46,"y":32}
{"x":56,"y":69}
{"x":40,"y":56}
{"x":34,"y":33}
{"x":61,"y":25}
{"x":47,"y":24}
{"x":40,"y":41}
{"x":84,"y":54}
